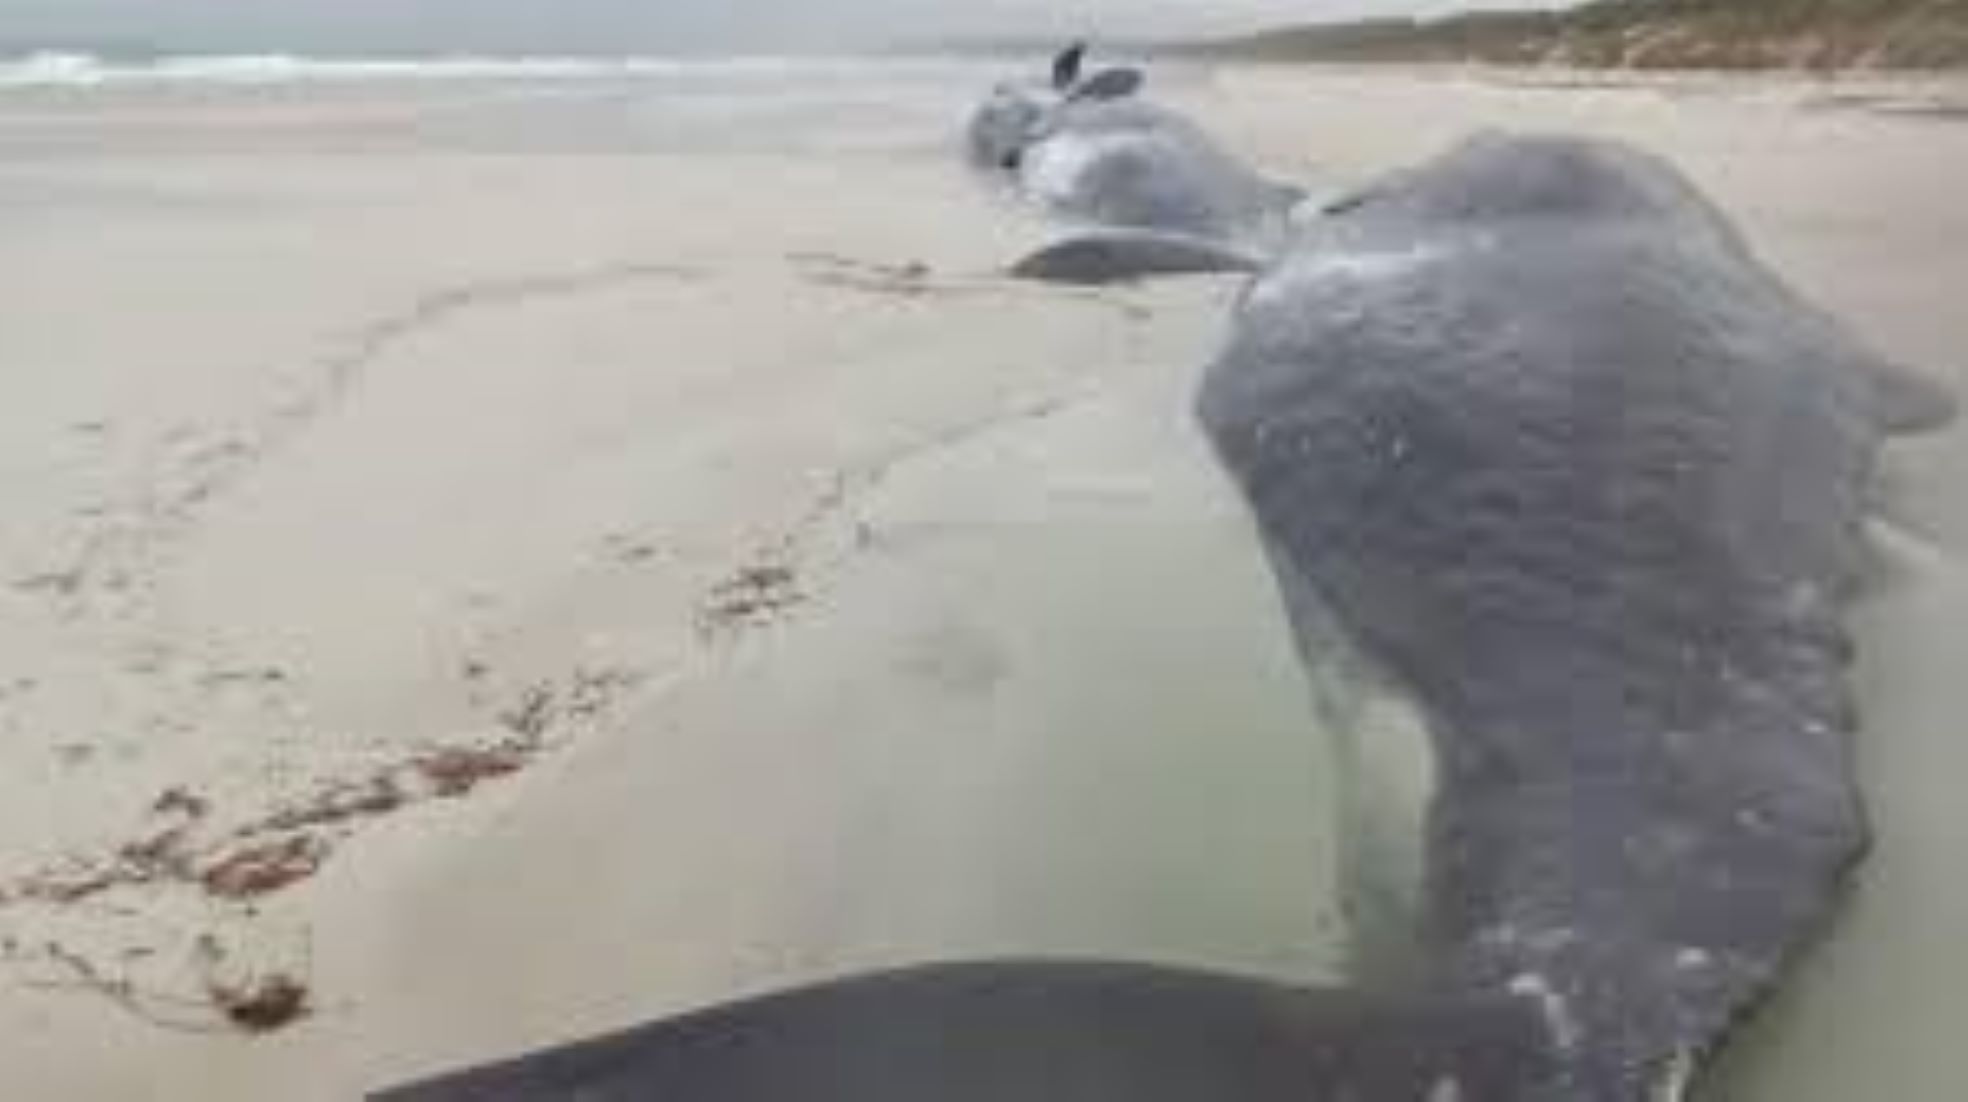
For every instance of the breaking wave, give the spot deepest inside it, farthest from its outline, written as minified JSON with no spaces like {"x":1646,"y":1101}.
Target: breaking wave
{"x":82,"y":70}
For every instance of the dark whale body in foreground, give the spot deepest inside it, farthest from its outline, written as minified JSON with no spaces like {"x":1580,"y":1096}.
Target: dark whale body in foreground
{"x":1532,"y":431}
{"x":1054,"y":1031}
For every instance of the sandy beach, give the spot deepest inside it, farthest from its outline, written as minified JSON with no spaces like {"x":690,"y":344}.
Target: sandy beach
{"x":517,"y":557}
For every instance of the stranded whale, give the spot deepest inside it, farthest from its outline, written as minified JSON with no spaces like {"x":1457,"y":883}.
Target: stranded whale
{"x":1151,"y":191}
{"x":1530,"y":433}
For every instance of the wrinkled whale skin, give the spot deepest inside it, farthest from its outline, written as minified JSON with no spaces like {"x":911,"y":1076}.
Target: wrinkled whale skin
{"x":1533,"y":426}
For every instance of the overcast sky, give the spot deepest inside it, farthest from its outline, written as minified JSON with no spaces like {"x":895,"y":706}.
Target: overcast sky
{"x":631,"y":26}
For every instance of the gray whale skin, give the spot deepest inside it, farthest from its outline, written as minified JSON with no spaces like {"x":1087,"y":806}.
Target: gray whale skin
{"x":1535,"y":431}
{"x":1532,"y":430}
{"x":1151,"y":192}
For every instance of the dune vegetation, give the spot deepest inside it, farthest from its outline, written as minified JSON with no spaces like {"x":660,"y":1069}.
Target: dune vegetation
{"x":1645,"y":34}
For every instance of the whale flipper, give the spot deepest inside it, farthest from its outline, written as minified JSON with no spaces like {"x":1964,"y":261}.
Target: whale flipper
{"x":1117,"y":256}
{"x":1109,"y":84}
{"x":1059,"y":1031}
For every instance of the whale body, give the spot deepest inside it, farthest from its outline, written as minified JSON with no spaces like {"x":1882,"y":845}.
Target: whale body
{"x":1094,"y":151}
{"x":1532,"y":429}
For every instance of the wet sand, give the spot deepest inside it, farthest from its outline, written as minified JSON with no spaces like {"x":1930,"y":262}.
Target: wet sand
{"x":619,"y":546}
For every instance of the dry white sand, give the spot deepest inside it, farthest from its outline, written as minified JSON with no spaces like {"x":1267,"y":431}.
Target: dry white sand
{"x":847,"y":612}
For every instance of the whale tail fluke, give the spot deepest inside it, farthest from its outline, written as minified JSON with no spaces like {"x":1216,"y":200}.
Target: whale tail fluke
{"x":1119,"y":256}
{"x":1066,"y":66}
{"x":1070,"y":79}
{"x":1060,"y":1031}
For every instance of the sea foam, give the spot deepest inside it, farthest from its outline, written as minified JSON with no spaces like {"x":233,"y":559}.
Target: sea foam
{"x":59,"y":69}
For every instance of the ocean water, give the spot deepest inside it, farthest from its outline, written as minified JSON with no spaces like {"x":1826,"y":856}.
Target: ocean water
{"x":506,"y":105}
{"x":63,"y":69}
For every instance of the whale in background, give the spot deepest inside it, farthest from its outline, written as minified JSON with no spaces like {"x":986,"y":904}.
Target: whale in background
{"x":1148,"y":191}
